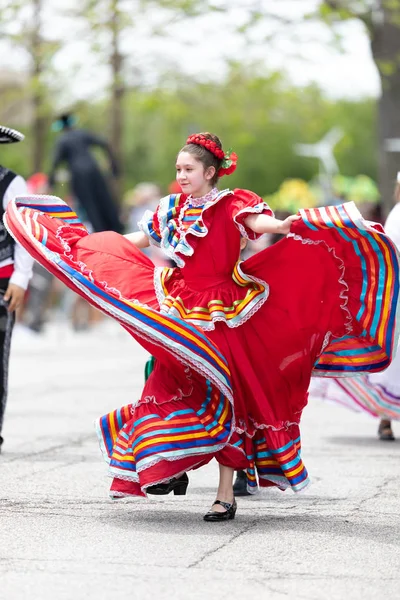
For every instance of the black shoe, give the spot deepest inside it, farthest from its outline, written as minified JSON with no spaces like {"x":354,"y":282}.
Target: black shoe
{"x":176,"y":485}
{"x":230,"y":511}
{"x":385,"y":432}
{"x":1,"y":443}
{"x":240,"y":485}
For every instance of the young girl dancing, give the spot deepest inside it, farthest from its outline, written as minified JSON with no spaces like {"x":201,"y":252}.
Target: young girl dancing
{"x":235,"y":342}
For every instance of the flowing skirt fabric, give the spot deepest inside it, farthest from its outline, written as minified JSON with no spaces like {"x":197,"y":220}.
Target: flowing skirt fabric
{"x":237,"y":393}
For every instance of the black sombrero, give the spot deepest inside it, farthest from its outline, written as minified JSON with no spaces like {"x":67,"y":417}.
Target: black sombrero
{"x":10,"y":136}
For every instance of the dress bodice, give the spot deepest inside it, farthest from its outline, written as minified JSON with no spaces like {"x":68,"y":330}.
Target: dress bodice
{"x":204,"y":241}
{"x":216,"y":254}
{"x":179,"y":222}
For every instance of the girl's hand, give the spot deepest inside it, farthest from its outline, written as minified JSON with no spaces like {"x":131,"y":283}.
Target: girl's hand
{"x":14,"y":296}
{"x":285,"y":225}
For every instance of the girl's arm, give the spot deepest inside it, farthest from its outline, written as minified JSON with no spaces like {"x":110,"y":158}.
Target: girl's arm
{"x":267,"y":224}
{"x":138,"y":238}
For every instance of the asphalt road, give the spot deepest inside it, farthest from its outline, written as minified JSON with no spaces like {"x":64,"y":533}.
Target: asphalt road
{"x":62,"y":538}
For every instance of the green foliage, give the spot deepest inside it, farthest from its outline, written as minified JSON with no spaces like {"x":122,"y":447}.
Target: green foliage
{"x":260,"y":116}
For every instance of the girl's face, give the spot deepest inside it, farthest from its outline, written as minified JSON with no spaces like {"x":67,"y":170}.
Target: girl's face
{"x":191,"y":175}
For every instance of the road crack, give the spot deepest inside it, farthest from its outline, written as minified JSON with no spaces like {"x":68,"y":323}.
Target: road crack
{"x":234,"y":537}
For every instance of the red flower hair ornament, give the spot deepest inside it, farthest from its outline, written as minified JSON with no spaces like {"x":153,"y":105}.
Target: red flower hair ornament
{"x":229,"y":159}
{"x":228,"y":164}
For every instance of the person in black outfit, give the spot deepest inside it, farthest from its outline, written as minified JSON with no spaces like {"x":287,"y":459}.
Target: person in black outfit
{"x":15,"y":268}
{"x":88,"y":185}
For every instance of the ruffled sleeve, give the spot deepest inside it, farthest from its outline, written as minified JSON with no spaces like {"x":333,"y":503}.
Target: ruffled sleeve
{"x":161,"y":227}
{"x":242,"y":204}
{"x":150,"y":225}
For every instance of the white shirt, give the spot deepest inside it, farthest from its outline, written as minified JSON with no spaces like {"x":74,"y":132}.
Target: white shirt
{"x":23,"y":262}
{"x":392,"y":225}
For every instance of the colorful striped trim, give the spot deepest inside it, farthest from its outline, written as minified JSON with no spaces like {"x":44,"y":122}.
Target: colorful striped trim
{"x":168,"y":209}
{"x":146,"y":225}
{"x":363,"y":394}
{"x":168,"y":234}
{"x":131,"y":444}
{"x":379,"y":298}
{"x":281,"y":467}
{"x":191,"y":216}
{"x":187,"y":343}
{"x":255,"y":293}
{"x":53,"y":207}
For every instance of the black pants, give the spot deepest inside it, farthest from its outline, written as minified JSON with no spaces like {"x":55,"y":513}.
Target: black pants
{"x":91,"y":190}
{"x":6,"y":326}
{"x":38,"y":296}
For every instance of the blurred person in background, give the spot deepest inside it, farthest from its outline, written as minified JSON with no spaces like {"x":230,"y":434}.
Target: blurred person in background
{"x":40,"y":286}
{"x":144,"y":196}
{"x":15,"y":268}
{"x":44,"y":291}
{"x":91,"y":195}
{"x":88,"y":185}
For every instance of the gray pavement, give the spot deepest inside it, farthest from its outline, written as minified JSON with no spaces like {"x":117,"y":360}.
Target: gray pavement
{"x":61,"y":538}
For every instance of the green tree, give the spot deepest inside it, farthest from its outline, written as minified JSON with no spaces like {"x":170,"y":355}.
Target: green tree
{"x":21,"y":23}
{"x":108,"y":23}
{"x":381,"y":19}
{"x":261,"y":116}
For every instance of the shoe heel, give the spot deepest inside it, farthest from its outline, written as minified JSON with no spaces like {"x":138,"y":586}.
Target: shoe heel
{"x":180,"y":490}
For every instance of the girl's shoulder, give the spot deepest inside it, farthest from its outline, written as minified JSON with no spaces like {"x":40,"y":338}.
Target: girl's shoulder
{"x":246,"y":195}
{"x":241,"y":199}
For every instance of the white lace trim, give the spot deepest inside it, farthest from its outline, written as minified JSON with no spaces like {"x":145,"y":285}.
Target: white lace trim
{"x":197,"y":202}
{"x":144,"y":488}
{"x":241,"y":429}
{"x":233,"y":322}
{"x":283,"y":484}
{"x":326,"y":341}
{"x":259,"y":208}
{"x":179,"y":396}
{"x":183,"y":246}
{"x":82,"y":266}
{"x":183,"y":357}
{"x":157,"y":285}
{"x":135,"y":475}
{"x":143,"y":225}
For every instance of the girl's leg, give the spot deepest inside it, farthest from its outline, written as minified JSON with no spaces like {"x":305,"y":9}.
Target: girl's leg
{"x":225,"y":487}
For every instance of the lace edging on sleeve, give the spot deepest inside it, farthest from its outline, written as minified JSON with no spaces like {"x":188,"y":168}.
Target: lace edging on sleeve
{"x":247,"y":203}
{"x":149,"y":225}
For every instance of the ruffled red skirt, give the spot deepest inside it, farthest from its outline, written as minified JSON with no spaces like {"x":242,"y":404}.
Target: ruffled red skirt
{"x":233,"y":393}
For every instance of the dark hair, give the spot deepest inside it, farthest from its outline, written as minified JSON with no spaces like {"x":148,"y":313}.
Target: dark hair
{"x":207,"y":158}
{"x":64,"y":121}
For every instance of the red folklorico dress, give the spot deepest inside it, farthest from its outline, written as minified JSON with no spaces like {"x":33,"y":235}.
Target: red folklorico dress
{"x":236,"y":342}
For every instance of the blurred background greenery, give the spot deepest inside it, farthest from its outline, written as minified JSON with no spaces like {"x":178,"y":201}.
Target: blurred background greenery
{"x":257,"y":111}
